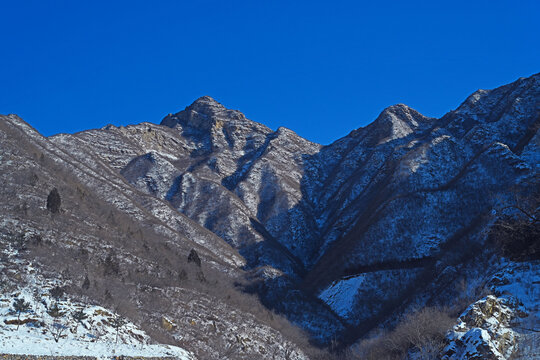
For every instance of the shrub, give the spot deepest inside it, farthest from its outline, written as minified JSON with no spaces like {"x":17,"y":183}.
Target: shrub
{"x":182,"y":275}
{"x":79,"y":315}
{"x":57,"y":330}
{"x":110,"y":265}
{"x":422,"y":333}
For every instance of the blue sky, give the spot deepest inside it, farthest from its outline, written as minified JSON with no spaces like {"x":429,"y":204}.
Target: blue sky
{"x":319,"y":68}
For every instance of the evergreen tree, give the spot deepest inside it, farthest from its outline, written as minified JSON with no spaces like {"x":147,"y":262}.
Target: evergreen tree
{"x":79,"y":315}
{"x":194,"y":258}
{"x":111,"y":265}
{"x":19,"y":305}
{"x":55,"y":311}
{"x":86,"y":283}
{"x":54,"y":201}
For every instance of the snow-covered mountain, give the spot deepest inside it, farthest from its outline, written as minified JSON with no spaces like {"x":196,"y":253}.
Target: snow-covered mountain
{"x":342,"y":240}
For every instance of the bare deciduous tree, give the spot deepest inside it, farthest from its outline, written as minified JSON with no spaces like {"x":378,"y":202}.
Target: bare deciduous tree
{"x":57,"y":330}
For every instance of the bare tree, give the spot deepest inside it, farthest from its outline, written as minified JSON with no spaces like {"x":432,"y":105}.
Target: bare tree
{"x":422,"y":332}
{"x":57,"y":330}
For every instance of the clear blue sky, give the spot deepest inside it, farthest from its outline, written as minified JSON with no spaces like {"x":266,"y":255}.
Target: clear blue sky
{"x":320,"y":68}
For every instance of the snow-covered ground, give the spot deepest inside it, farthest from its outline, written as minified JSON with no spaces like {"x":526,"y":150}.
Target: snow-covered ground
{"x":93,"y":336}
{"x":343,"y":295}
{"x":27,"y":342}
{"x":36,"y":332}
{"x":340,"y":295}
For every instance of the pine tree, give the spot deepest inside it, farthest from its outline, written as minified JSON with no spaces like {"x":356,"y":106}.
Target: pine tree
{"x":111,"y":265}
{"x":55,"y":311}
{"x":86,"y":283}
{"x":19,"y":305}
{"x":57,"y":328}
{"x":79,"y":315}
{"x":194,"y":258}
{"x":54,"y":201}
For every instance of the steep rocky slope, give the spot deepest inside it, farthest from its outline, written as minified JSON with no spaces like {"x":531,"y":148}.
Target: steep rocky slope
{"x":341,"y":239}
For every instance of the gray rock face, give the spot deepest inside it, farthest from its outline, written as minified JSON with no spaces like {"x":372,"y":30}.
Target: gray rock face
{"x":391,"y":206}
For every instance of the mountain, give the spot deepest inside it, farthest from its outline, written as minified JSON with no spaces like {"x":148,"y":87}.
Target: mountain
{"x":344,"y":241}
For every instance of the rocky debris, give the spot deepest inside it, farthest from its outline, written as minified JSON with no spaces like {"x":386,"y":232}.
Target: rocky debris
{"x":44,"y":357}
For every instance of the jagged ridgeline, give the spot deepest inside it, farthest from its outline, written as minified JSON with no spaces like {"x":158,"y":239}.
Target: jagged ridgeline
{"x":216,"y":234}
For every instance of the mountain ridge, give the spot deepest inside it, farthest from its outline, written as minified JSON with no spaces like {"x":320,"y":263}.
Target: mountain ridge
{"x":397,"y":205}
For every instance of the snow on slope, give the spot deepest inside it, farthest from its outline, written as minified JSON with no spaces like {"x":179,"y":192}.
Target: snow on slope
{"x":343,"y":295}
{"x":340,"y":295}
{"x":94,"y":336}
{"x":32,"y":343}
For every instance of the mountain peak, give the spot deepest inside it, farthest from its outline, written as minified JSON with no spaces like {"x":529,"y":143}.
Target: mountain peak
{"x":400,"y":111}
{"x":205,"y":99}
{"x":395,"y":122}
{"x":206,"y":105}
{"x":202,"y":114}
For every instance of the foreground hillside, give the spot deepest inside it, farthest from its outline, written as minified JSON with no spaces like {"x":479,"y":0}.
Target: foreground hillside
{"x":219,"y":235}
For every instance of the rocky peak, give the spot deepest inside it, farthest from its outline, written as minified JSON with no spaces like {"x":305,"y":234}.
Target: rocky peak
{"x":395,"y":122}
{"x":402,"y":114}
{"x":203,"y":114}
{"x":206,"y":105}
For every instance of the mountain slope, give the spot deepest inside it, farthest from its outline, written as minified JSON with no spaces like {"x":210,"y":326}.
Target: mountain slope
{"x":131,"y":246}
{"x":341,"y":239}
